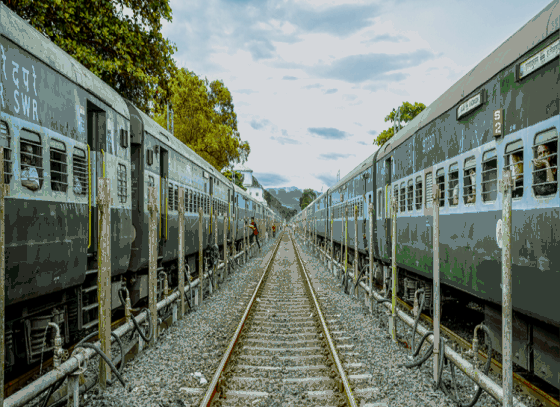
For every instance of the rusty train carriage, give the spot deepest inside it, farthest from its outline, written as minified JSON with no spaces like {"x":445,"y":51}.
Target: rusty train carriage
{"x":452,"y":144}
{"x":79,"y":129}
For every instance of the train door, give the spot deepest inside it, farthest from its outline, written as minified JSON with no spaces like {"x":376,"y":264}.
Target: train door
{"x":96,"y":129}
{"x":387,"y":212}
{"x":163,"y":193}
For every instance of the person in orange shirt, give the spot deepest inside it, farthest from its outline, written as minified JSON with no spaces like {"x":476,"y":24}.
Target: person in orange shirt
{"x":253,"y":226}
{"x":273,"y":230}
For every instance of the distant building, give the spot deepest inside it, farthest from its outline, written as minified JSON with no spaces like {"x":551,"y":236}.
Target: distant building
{"x":253,"y":187}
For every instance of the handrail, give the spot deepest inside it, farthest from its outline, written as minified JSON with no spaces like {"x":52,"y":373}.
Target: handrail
{"x":160,"y":196}
{"x":89,"y":197}
{"x":166,"y":208}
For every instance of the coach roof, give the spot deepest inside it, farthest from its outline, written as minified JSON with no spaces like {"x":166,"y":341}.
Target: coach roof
{"x":536,"y":30}
{"x":24,"y":35}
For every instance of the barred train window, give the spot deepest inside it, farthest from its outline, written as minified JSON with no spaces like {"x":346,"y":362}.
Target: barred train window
{"x":410,"y":193}
{"x":169,"y":196}
{"x":7,"y":143}
{"x":403,"y":198}
{"x":176,"y":197}
{"x":31,"y":160}
{"x":121,"y":183}
{"x":418,"y":192}
{"x":453,"y":185}
{"x":395,"y":198}
{"x":440,"y":182}
{"x":80,"y":170}
{"x":469,"y":181}
{"x":187,"y":207}
{"x":545,"y":164}
{"x":489,"y":176}
{"x":513,"y":161}
{"x":59,"y":166}
{"x":429,"y":195}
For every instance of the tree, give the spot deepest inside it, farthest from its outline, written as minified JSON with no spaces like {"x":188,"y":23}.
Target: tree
{"x":238,"y":178}
{"x":306,"y":198}
{"x":204,"y":119}
{"x":128,"y":53}
{"x":407,"y":113}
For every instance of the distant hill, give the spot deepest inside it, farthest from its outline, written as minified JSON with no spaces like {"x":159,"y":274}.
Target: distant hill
{"x":288,"y":196}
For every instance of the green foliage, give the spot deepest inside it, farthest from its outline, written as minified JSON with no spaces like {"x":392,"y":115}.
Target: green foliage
{"x":204,"y":119}
{"x":238,"y":178}
{"x":128,"y":53}
{"x":408,"y":112}
{"x":306,"y":198}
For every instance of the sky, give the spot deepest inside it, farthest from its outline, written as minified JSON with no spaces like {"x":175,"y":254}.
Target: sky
{"x":312,"y":81}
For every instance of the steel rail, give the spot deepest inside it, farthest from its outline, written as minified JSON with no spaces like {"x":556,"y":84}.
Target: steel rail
{"x":467,"y":368}
{"x":327,"y":333}
{"x":212,"y":388}
{"x":34,"y":389}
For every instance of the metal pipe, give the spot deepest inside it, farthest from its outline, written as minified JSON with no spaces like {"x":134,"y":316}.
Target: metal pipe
{"x":393,"y":324}
{"x":436,"y":294}
{"x":355,"y":249}
{"x":507,"y":362}
{"x":200,"y":257}
{"x":370,"y":256}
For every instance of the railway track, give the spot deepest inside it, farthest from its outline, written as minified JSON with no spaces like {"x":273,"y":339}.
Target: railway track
{"x":285,"y":348}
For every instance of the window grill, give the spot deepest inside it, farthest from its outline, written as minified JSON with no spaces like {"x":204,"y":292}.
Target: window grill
{"x":169,"y":196}
{"x":489,"y":176}
{"x":59,"y":166}
{"x":453,"y":185}
{"x":403,"y":198}
{"x":545,"y":164}
{"x":440,"y":182}
{"x":121,"y":183}
{"x":418,"y":193}
{"x":410,"y":193}
{"x":31,"y":157}
{"x":469,"y":181}
{"x":379,"y":203}
{"x":80,"y":171}
{"x":513,"y":161}
{"x":429,"y":194}
{"x":5,"y":134}
{"x":176,"y":197}
{"x":396,"y":197}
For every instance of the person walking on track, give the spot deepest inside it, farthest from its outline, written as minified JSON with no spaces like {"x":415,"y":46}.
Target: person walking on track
{"x":273,"y":231}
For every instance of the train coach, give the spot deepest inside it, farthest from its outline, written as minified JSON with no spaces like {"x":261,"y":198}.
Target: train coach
{"x":502,"y":115}
{"x":62,"y":128}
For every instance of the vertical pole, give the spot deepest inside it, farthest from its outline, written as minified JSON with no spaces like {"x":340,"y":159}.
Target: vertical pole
{"x":355,"y":249}
{"x":152,"y":259}
{"x":215,"y":271}
{"x":370,"y":248}
{"x":345,"y":247}
{"x":507,"y":315}
{"x":3,"y":193}
{"x":225,"y":270}
{"x":245,"y":241}
{"x":437,"y":315}
{"x":181,"y":252}
{"x":393,"y":324}
{"x":104,"y":277}
{"x":200,"y":258}
{"x":332,"y":244}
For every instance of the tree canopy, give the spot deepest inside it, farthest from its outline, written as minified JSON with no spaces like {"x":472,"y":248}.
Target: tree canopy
{"x":238,"y":178}
{"x":126,"y":52}
{"x":204,"y":119}
{"x":407,"y":113}
{"x":306,"y":198}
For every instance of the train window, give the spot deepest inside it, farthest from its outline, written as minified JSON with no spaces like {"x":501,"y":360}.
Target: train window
{"x":418,"y":192}
{"x":469,"y":181}
{"x":396,"y":197}
{"x":80,"y":170}
{"x":440,"y":182}
{"x":121,"y":183}
{"x":545,"y":164}
{"x":379,"y":203}
{"x":403,"y":198}
{"x":410,"y":193}
{"x":489,"y":176}
{"x":5,"y":134}
{"x":453,"y":185}
{"x":429,"y":195}
{"x":176,"y":198}
{"x":149,"y":156}
{"x":59,"y":166}
{"x":31,"y":152}
{"x":169,"y":196}
{"x":513,"y":160}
